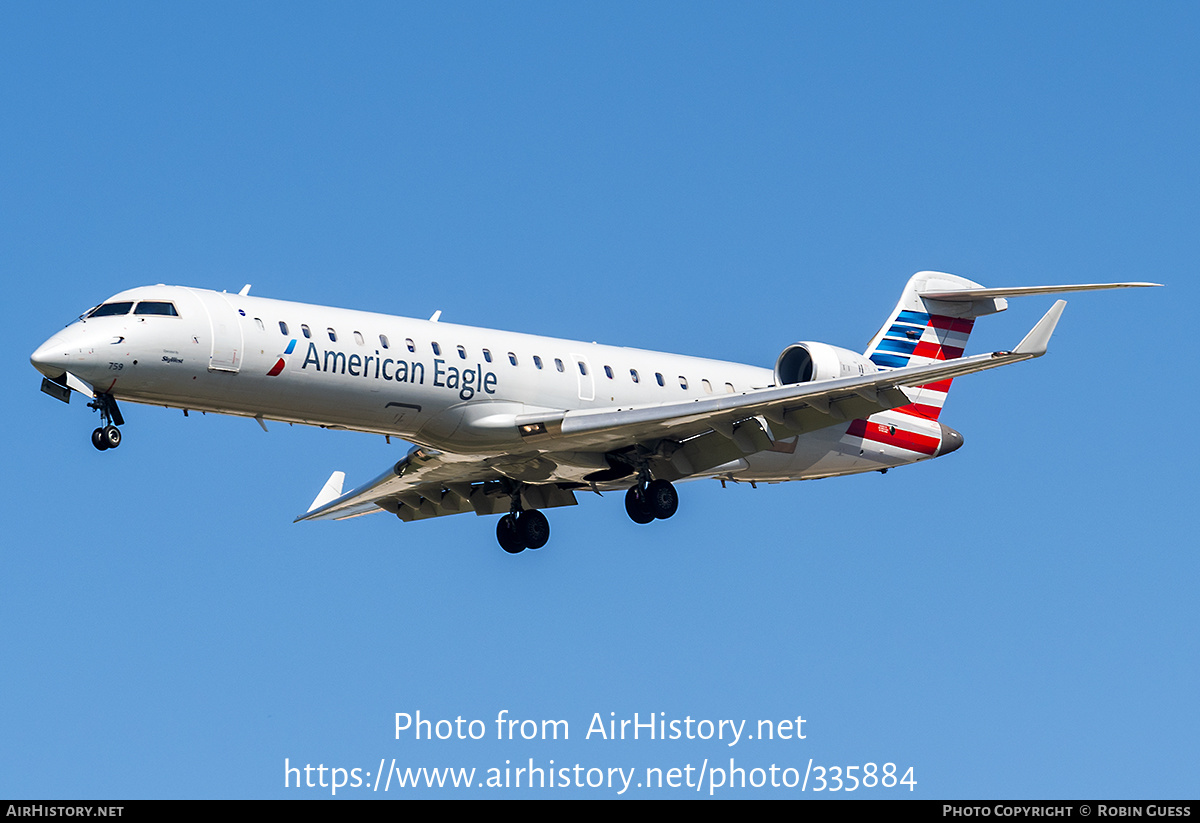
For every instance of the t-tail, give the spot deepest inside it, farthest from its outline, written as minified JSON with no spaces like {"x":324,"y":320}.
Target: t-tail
{"x":933,"y":321}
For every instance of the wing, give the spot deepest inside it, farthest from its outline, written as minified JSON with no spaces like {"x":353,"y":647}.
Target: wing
{"x":792,"y":409}
{"x":428,"y":483}
{"x":567,"y":450}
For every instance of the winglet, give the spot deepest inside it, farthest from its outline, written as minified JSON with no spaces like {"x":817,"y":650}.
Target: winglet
{"x":332,"y":490}
{"x":1035,"y":342}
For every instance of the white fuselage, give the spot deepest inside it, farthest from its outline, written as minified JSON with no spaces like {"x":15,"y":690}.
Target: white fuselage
{"x":455,"y":388}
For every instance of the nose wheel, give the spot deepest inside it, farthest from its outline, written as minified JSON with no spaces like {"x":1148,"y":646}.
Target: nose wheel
{"x":107,"y":436}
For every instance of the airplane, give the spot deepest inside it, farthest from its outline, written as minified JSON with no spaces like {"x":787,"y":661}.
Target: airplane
{"x":511,"y":424}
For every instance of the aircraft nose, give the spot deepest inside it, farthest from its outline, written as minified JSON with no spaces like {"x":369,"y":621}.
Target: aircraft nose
{"x":951,"y":441}
{"x":70,"y":350}
{"x":51,"y":357}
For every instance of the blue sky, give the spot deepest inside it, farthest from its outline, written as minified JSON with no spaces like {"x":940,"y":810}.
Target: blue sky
{"x":1013,"y":620}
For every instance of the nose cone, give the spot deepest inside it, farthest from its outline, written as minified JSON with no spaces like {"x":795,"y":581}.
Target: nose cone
{"x":51,"y":357}
{"x":951,"y":441}
{"x":70,"y":350}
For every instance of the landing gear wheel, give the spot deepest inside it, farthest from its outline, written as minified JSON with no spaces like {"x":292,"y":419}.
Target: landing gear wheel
{"x":637,"y":505}
{"x":108,"y":436}
{"x":508,"y":535}
{"x":533,"y":528}
{"x":662,"y":498}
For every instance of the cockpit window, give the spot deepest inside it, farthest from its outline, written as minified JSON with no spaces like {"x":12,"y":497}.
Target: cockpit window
{"x":156,"y":307}
{"x":110,"y":309}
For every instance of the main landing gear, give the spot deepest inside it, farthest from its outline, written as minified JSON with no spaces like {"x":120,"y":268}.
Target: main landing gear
{"x":523,"y":530}
{"x":107,"y":436}
{"x":528,"y":529}
{"x":520,"y":529}
{"x":656,"y":500}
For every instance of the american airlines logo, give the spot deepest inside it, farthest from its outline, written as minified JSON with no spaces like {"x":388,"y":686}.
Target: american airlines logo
{"x":280,"y":363}
{"x":467,"y":381}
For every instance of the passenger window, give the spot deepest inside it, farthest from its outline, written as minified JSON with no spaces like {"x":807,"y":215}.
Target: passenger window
{"x":408,"y":342}
{"x":437,"y":349}
{"x":658,"y":376}
{"x":462,"y":353}
{"x":558,"y":364}
{"x":608,"y":371}
{"x":283,"y":328}
{"x":537,"y":361}
{"x":304,"y":328}
{"x":258,"y":322}
{"x":332,"y":335}
{"x":633,"y":374}
{"x":682,"y":382}
{"x":383,"y":341}
{"x":707,"y":386}
{"x":156,"y":307}
{"x":582,"y":366}
{"x":358,"y":338}
{"x":512,"y":358}
{"x":487,"y":355}
{"x":729,"y":388}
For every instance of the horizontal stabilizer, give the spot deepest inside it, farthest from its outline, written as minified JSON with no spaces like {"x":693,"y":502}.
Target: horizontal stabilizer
{"x":968,"y":295}
{"x":332,"y":490}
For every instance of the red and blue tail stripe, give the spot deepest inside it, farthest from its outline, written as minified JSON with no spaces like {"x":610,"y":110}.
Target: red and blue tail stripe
{"x":900,"y":340}
{"x":916,"y":334}
{"x":922,"y":442}
{"x":915,"y":337}
{"x":925,"y":337}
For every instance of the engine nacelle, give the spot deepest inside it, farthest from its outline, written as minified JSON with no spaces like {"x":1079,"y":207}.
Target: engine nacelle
{"x":807,"y":362}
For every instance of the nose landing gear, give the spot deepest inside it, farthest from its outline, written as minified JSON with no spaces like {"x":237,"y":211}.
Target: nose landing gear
{"x":107,"y":436}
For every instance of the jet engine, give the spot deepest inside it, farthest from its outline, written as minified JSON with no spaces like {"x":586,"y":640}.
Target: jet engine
{"x":809,"y":362}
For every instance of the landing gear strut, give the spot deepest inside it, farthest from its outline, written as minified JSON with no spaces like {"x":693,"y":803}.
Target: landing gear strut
{"x":656,"y":500}
{"x":107,"y":436}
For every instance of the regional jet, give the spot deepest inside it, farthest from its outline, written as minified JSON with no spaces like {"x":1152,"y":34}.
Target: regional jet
{"x":513,"y":424}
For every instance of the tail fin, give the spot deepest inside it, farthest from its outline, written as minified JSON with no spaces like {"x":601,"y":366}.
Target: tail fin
{"x":934,"y":318}
{"x":922,"y":330}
